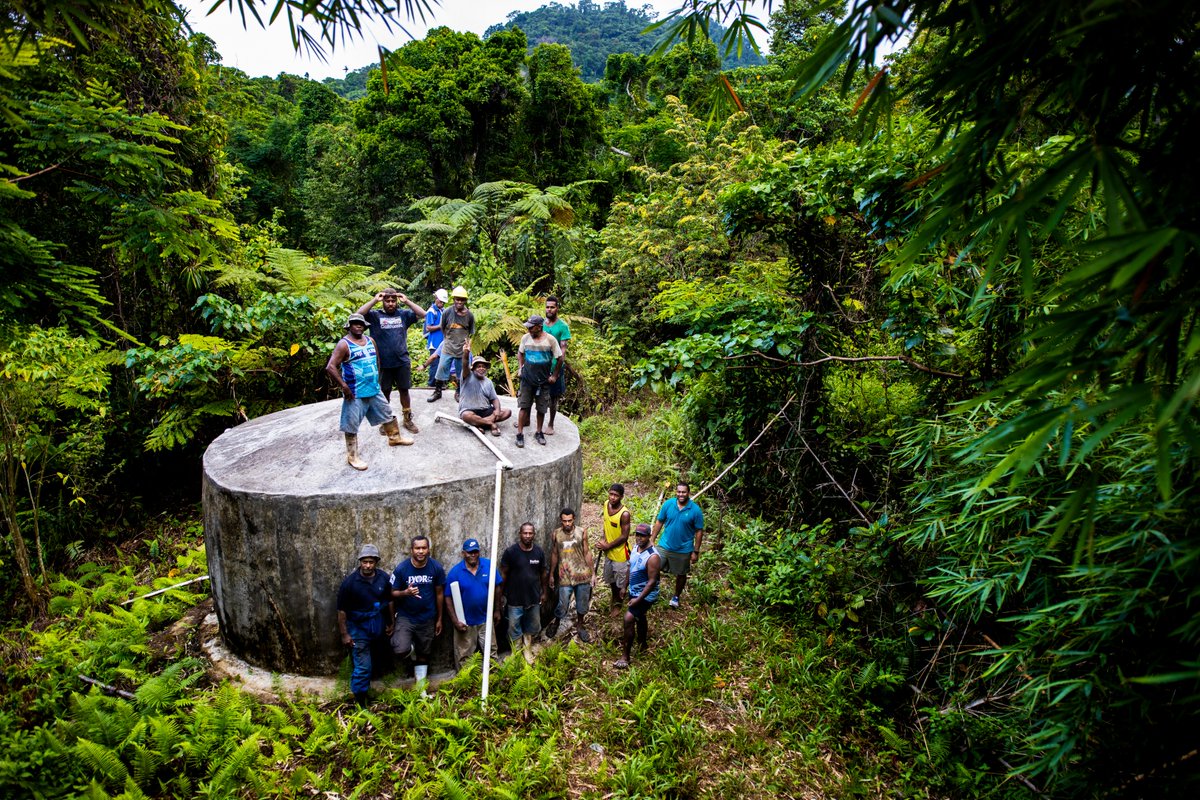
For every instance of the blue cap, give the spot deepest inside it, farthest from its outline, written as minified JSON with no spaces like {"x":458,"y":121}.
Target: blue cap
{"x":470,"y":544}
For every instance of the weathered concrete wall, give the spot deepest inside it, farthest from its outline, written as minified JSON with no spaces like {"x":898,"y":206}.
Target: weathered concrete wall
{"x":284,"y":516}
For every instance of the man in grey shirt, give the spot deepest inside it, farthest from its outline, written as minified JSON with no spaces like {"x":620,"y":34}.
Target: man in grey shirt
{"x":478,"y":404}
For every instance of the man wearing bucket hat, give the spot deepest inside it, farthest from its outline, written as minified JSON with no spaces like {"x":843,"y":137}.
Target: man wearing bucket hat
{"x":354,"y":367}
{"x":540,"y":358}
{"x":644,"y":567}
{"x":433,"y":332}
{"x":478,"y":404}
{"x":458,"y":326}
{"x":364,"y":613}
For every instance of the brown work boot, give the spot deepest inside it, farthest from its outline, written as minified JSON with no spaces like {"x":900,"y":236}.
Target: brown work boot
{"x":409,"y":425}
{"x":394,"y":434}
{"x":352,"y":452}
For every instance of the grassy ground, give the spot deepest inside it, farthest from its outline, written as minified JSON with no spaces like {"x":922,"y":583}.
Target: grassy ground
{"x":726,"y":702}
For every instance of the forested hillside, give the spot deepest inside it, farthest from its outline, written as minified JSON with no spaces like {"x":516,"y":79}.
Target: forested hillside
{"x":931,"y":324}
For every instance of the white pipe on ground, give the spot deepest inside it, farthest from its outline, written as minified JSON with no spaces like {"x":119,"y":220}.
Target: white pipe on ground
{"x":441,"y":415}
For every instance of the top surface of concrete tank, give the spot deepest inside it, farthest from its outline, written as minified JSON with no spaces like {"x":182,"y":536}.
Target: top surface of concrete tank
{"x":300,"y":452}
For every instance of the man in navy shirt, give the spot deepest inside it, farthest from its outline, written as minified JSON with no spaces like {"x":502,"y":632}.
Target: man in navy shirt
{"x":471,"y":576}
{"x":389,"y":329}
{"x":417,"y":586}
{"x":682,"y":525}
{"x":364,"y":606}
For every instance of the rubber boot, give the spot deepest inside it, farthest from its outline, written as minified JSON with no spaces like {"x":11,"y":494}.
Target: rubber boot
{"x":437,"y":391}
{"x":394,"y":434}
{"x":527,"y":649}
{"x":352,"y":452}
{"x":421,"y":672}
{"x":409,"y":424}
{"x":361,"y":699}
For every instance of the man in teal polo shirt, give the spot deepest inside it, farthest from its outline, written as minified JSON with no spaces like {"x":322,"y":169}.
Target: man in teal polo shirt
{"x":681,"y":523}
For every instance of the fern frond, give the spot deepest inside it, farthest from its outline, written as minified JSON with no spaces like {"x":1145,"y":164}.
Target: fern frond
{"x":103,"y":761}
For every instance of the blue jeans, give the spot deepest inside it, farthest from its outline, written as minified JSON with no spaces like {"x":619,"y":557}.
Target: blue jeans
{"x":360,"y":656}
{"x":445,"y":365}
{"x":524,"y":619}
{"x":582,"y":592}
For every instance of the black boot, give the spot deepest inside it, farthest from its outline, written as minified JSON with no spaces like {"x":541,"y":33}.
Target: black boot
{"x":437,"y":392}
{"x":361,"y":699}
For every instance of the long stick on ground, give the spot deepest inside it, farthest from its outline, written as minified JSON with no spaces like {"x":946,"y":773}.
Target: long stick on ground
{"x":160,"y":591}
{"x":745,"y":450}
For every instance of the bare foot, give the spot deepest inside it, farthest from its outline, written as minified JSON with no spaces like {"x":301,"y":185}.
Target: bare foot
{"x":549,"y":430}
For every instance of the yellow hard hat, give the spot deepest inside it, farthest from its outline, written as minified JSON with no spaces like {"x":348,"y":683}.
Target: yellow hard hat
{"x":459,"y":291}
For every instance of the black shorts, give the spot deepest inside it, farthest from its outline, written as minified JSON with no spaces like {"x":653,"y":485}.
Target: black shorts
{"x":531,"y":393}
{"x":395,"y":378}
{"x":479,"y":412}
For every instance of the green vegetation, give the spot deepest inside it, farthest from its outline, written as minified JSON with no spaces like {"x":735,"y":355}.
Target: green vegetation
{"x":933,"y":324}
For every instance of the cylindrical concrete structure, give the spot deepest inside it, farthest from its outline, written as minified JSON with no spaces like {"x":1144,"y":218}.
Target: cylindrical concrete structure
{"x":285,"y":515}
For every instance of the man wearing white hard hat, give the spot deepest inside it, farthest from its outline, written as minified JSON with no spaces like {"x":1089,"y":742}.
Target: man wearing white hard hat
{"x":433,"y":331}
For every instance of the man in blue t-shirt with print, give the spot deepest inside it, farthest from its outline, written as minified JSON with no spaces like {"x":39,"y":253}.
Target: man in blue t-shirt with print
{"x":417,"y":586}
{"x":389,"y":329}
{"x":681,"y":523}
{"x":471,"y":577}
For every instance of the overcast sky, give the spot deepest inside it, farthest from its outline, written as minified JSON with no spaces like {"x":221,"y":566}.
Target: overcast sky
{"x":268,"y":52}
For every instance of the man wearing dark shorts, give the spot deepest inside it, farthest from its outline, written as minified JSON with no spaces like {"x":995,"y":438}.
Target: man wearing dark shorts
{"x":418,"y":584}
{"x":540,"y":358}
{"x":681,"y":523}
{"x":389,"y":329}
{"x":478,"y":404}
{"x":644,"y":566}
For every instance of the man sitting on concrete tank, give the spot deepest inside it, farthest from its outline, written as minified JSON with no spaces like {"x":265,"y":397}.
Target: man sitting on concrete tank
{"x":478,"y":404}
{"x":364,"y":613}
{"x":418,"y":583}
{"x":354,"y":367}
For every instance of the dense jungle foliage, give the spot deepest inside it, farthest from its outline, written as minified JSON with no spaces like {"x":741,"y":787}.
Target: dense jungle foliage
{"x":936,"y":319}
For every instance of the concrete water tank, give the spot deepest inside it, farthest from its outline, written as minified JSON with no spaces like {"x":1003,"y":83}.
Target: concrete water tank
{"x":284,"y":515}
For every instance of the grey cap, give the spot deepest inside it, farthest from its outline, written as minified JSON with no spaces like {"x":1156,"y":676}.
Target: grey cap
{"x":534,"y":320}
{"x":368,"y":551}
{"x":355,"y":318}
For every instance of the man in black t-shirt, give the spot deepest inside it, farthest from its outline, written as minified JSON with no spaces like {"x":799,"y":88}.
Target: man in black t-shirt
{"x":389,"y":329}
{"x":526,"y":578}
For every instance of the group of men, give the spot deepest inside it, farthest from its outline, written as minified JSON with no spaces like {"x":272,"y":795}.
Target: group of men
{"x":407,"y":607}
{"x":367,"y":367}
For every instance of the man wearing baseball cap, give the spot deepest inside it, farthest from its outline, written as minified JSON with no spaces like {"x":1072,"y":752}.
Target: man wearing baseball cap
{"x":354,"y":367}
{"x":469,"y":578}
{"x":644,"y":566}
{"x":364,"y":614}
{"x":540,"y":358}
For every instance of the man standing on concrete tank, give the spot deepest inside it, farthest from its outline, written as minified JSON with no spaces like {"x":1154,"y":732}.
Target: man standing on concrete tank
{"x":433,"y":331}
{"x":523,"y":567}
{"x":354,"y":367}
{"x":418,"y":585}
{"x":471,"y":576}
{"x":536,"y":355}
{"x":389,"y":329}
{"x":571,"y":569}
{"x":615,"y":547}
{"x":644,"y":565}
{"x":458,"y":326}
{"x":364,"y":609}
{"x":682,"y":525}
{"x":479,"y":405}
{"x":562,"y":334}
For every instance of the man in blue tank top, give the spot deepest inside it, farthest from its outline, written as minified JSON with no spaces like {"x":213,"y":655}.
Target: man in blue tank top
{"x":645,"y":565}
{"x":354,"y":367}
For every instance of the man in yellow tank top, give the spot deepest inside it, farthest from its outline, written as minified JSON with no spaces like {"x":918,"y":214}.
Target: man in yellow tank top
{"x":615,"y":546}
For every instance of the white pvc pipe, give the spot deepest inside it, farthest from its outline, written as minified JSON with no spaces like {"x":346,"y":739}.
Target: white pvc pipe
{"x":488,"y":629}
{"x":456,"y":596}
{"x":441,"y":415}
{"x":502,"y":464}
